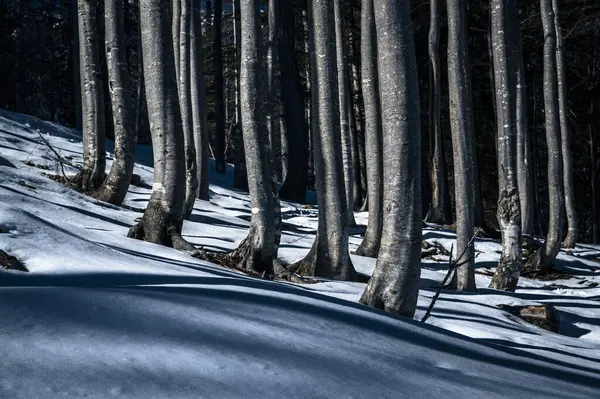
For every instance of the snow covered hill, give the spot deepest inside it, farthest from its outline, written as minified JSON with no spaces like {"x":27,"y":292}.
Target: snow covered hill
{"x":100,"y":315}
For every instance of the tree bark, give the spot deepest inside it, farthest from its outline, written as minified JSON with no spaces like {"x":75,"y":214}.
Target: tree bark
{"x":198,"y":98}
{"x":329,"y":256}
{"x":373,"y":136}
{"x":271,"y":107}
{"x":114,"y":188}
{"x":76,"y":65}
{"x":542,"y":259}
{"x":509,"y":267}
{"x":565,"y":135}
{"x":439,"y":207}
{"x":593,"y":177}
{"x":92,"y":99}
{"x":237,"y":37}
{"x":461,"y":123}
{"x":294,"y":186}
{"x":219,"y":95}
{"x":176,"y":29}
{"x":394,"y":285}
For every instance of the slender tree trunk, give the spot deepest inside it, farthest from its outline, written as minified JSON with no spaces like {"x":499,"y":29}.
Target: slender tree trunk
{"x":342,"y":78}
{"x":509,"y":267}
{"x":394,"y":285}
{"x":115,"y":186}
{"x":439,"y":207}
{"x":294,"y":186}
{"x":593,"y":177}
{"x":271,"y":105}
{"x":92,"y":99}
{"x":543,"y":258}
{"x":461,"y":123}
{"x":198,"y":98}
{"x":176,"y":29}
{"x":373,"y":136}
{"x":76,"y":66}
{"x":329,"y":256}
{"x":163,"y":218}
{"x":237,"y":36}
{"x":565,"y":135}
{"x":219,"y":95}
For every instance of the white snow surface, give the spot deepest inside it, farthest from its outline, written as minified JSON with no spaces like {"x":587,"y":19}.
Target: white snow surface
{"x":100,"y":315}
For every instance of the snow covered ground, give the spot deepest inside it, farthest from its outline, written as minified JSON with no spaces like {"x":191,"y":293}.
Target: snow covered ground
{"x":100,"y":315}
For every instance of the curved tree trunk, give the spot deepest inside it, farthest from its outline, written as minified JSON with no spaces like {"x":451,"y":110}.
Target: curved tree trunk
{"x":92,"y":99}
{"x":509,"y":267}
{"x":565,"y":135}
{"x":115,"y":186}
{"x":163,"y":218}
{"x":461,"y":123}
{"x":543,"y":258}
{"x":198,"y":97}
{"x":394,"y":285}
{"x":219,"y":93}
{"x":373,"y":136}
{"x":439,"y":207}
{"x":294,"y":186}
{"x":329,"y":256}
{"x":185,"y":104}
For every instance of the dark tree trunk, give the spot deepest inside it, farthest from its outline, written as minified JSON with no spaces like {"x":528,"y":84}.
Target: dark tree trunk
{"x":509,"y":267}
{"x":219,"y":94}
{"x":237,"y":36}
{"x":115,"y":186}
{"x":373,"y":136}
{"x":92,"y":99}
{"x":461,"y":123}
{"x":593,"y":177}
{"x":329,"y":256}
{"x":198,"y":97}
{"x":294,"y":186}
{"x":394,"y":285}
{"x":271,"y":106}
{"x":76,"y":66}
{"x":19,"y":55}
{"x":439,"y":207}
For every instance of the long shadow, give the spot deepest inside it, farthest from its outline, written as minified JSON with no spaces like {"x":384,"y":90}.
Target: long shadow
{"x":197,"y":218}
{"x":512,"y":344}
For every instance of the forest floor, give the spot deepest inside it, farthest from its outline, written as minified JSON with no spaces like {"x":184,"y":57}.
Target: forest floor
{"x":101,"y":315}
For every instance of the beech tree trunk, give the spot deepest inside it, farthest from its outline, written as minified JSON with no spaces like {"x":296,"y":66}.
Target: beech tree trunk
{"x":92,"y":99}
{"x":271,"y":107}
{"x":176,"y":29}
{"x":198,"y":98}
{"x":294,"y":186}
{"x":509,"y":267}
{"x":163,"y":218}
{"x":114,"y":188}
{"x":219,"y":94}
{"x":565,"y":135}
{"x":329,"y":256}
{"x":461,"y":123}
{"x":439,"y":206}
{"x":394,"y":285}
{"x":373,"y":136}
{"x":542,"y":259}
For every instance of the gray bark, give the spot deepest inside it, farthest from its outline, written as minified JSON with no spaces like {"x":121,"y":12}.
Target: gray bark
{"x":198,"y":97}
{"x":176,"y":29}
{"x":461,"y":123}
{"x":237,"y":37}
{"x":394,"y":285}
{"x":115,"y":186}
{"x":185,"y":104}
{"x":543,"y":258}
{"x":439,"y":207}
{"x":565,"y":135}
{"x":92,"y":99}
{"x":219,"y":87}
{"x":509,"y":267}
{"x":373,"y":136}
{"x":343,"y":88}
{"x":329,"y":256}
{"x":271,"y":107}
{"x":163,"y":218}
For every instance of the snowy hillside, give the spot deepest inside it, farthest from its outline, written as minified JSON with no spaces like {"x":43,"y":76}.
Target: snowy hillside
{"x":100,"y":315}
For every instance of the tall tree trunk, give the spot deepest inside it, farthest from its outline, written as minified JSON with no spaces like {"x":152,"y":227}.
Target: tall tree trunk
{"x":543,"y":258}
{"x":115,"y":186}
{"x":509,"y":267}
{"x":237,"y":37}
{"x":271,"y":107}
{"x":198,"y":97}
{"x":342,"y":78}
{"x":461,"y":123}
{"x":394,"y":285}
{"x":219,"y":95}
{"x":373,"y":136}
{"x":163,"y":218}
{"x":565,"y":135}
{"x":185,"y":104}
{"x":439,"y":207}
{"x":176,"y":29}
{"x":593,"y":177}
{"x":294,"y":186}
{"x":92,"y":99}
{"x":329,"y":256}
{"x":76,"y":66}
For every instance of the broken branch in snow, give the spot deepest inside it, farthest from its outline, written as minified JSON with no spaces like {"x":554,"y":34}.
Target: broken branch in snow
{"x":59,"y":158}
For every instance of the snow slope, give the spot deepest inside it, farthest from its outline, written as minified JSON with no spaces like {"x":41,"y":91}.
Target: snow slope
{"x":101,"y":315}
